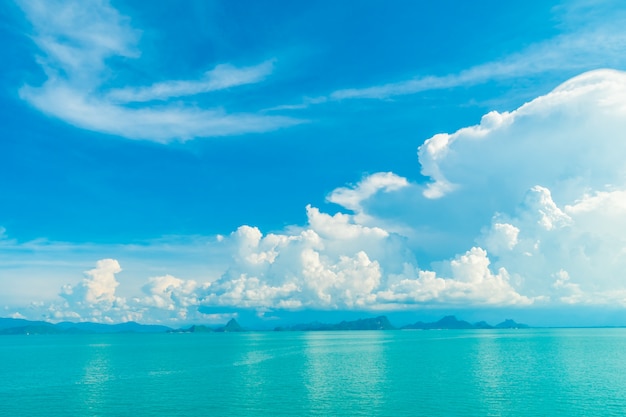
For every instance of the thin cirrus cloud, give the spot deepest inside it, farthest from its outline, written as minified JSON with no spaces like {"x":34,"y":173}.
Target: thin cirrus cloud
{"x":595,"y":42}
{"x":569,"y":52}
{"x":221,"y":77}
{"x":76,"y":39}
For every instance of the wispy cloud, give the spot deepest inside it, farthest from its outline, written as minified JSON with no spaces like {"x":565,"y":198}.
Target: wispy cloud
{"x":221,"y":77}
{"x":592,"y":37}
{"x":588,"y":49}
{"x":76,"y":40}
{"x":160,"y":124}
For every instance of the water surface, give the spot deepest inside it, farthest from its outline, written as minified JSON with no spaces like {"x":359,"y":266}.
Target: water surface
{"x":533,"y":372}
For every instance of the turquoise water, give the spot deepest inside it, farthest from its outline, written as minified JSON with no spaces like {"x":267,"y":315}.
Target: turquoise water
{"x":535,"y":372}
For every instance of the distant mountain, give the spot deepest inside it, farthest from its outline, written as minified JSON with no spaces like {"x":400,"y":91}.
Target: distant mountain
{"x":200,"y":329}
{"x":376,"y":323}
{"x":231,"y":327}
{"x":21,"y":326}
{"x":9,"y":326}
{"x":7,"y":323}
{"x":451,"y":322}
{"x":448,"y":322}
{"x":511,"y":324}
{"x":45,"y":328}
{"x":128,"y":327}
{"x":193,"y":329}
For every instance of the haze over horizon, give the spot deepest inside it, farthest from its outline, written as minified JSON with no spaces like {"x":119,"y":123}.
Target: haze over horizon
{"x":192,"y":162}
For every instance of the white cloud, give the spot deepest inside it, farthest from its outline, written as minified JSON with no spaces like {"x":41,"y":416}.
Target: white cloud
{"x":575,"y":262}
{"x":78,"y":40}
{"x":94,"y":297}
{"x":471,"y":283}
{"x":601,"y":211}
{"x":341,"y":226}
{"x":159,"y":124}
{"x":564,"y":140}
{"x":98,"y":287}
{"x":101,"y":283}
{"x":170,"y":299}
{"x":551,"y":176}
{"x":337,"y":263}
{"x":549,"y":216}
{"x":221,"y":77}
{"x":353,"y":197}
{"x":569,"y":293}
{"x":35,"y":270}
{"x":169,"y":292}
{"x":501,"y":237}
{"x":165,"y":299}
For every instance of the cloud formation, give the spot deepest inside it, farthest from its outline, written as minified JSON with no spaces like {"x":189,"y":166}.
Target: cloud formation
{"x":333,"y":263}
{"x":79,"y":40}
{"x":548,"y":177}
{"x":94,"y":297}
{"x":552,"y":176}
{"x":566,"y":140}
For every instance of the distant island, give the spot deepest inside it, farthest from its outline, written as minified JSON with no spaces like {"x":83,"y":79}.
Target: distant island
{"x":451,"y":322}
{"x":231,"y":327}
{"x":377,"y":323}
{"x":382,"y":323}
{"x":20,"y":326}
{"x":10,"y":326}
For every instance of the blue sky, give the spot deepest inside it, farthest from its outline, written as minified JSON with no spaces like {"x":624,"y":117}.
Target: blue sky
{"x":185,"y":162}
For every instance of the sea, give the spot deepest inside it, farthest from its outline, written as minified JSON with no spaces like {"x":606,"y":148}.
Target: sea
{"x":525,"y":372}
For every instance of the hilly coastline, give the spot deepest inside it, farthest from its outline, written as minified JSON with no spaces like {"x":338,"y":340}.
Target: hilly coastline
{"x":9,"y":326}
{"x":377,"y":323}
{"x":451,"y":322}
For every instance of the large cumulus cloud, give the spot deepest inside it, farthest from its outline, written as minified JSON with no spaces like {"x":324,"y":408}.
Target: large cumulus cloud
{"x":551,"y":176}
{"x":568,"y":140}
{"x":542,"y":186}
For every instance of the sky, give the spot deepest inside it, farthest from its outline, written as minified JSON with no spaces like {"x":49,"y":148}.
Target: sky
{"x":189,"y":162}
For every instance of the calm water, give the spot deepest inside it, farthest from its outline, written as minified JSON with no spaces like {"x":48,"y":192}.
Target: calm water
{"x":543,"y":372}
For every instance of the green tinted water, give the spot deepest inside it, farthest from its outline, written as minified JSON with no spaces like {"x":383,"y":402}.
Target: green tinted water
{"x":535,"y":372}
